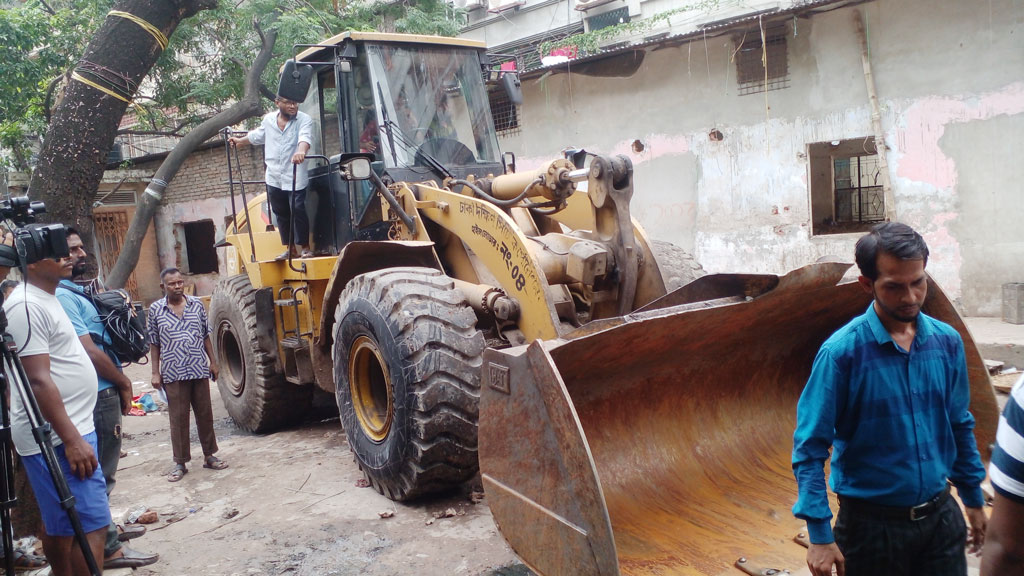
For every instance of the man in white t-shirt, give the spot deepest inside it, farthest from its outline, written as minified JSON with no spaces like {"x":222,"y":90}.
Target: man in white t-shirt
{"x":64,"y":383}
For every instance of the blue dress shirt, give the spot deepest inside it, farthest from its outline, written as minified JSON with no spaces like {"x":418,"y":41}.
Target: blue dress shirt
{"x":897,"y":421}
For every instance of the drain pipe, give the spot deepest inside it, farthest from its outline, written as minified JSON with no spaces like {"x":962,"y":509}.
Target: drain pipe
{"x":876,"y":120}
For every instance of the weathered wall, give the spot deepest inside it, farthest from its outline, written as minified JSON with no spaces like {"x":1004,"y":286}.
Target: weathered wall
{"x":949,"y":78}
{"x":200,"y":192}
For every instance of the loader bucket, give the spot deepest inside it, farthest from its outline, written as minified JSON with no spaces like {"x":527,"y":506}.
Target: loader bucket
{"x":659,"y":443}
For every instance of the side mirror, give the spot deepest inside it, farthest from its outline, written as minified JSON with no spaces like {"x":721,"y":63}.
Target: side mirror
{"x":357,"y":168}
{"x":514,"y":89}
{"x":295,"y":80}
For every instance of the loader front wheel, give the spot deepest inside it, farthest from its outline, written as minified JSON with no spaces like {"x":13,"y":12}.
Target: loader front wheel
{"x":407,"y":358}
{"x":251,"y":385}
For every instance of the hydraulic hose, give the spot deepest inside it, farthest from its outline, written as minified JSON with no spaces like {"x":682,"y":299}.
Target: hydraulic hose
{"x":497,"y":201}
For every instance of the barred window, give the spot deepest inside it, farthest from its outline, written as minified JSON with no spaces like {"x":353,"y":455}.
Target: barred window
{"x":504,"y":112}
{"x":751,"y":56}
{"x":846,"y":190}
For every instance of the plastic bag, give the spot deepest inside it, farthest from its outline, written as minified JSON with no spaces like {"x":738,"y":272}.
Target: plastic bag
{"x":147,"y":403}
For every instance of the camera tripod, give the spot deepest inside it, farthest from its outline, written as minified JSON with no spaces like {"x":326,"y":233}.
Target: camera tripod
{"x":13,"y":380}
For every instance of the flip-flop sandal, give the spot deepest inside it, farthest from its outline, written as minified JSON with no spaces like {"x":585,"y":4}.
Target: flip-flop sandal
{"x":25,"y":562}
{"x":129,"y":531}
{"x":214,"y":463}
{"x":177,"y":474}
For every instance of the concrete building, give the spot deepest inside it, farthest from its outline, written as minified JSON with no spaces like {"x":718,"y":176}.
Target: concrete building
{"x":765,"y":171}
{"x":195,"y":212}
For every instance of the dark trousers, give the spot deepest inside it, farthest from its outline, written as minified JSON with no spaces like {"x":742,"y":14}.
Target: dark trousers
{"x":107,"y":419}
{"x":286,"y":206}
{"x":874,"y":546}
{"x":181,"y":396}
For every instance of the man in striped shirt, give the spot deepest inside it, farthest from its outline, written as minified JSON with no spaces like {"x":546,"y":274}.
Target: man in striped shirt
{"x":889,"y":394}
{"x":182,"y":357}
{"x":1004,"y":550}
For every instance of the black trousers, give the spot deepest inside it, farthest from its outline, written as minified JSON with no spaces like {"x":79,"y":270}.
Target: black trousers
{"x":283,"y":203}
{"x":932,"y":546}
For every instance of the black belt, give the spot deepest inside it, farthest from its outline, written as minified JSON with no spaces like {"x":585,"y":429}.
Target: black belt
{"x":912,"y":513}
{"x":107,"y":392}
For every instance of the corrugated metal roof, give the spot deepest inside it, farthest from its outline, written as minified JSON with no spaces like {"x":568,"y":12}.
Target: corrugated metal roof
{"x":716,"y":27}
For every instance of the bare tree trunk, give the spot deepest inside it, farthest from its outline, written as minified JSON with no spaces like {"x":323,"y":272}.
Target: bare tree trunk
{"x":82,"y":131}
{"x":247,"y":107}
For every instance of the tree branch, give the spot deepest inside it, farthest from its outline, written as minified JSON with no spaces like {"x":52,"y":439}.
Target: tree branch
{"x":47,"y":8}
{"x":323,"y":21}
{"x":176,"y":132}
{"x":247,"y":107}
{"x":49,"y":95}
{"x":267,"y":92}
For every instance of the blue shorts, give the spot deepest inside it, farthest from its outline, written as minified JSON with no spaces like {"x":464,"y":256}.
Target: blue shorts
{"x":90,"y":494}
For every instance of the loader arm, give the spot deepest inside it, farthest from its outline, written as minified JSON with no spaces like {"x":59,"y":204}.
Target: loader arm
{"x":496,"y":239}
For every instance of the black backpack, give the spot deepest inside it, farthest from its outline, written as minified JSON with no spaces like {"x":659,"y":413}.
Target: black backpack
{"x":122,"y":321}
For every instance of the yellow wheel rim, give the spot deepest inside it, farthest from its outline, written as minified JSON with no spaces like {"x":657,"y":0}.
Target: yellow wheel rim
{"x":232,"y":359}
{"x":370,"y":384}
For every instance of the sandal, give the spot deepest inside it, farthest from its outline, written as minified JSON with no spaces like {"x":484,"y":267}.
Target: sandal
{"x":24,"y":562}
{"x":214,"y":463}
{"x":129,"y":531}
{"x":178,"y":473}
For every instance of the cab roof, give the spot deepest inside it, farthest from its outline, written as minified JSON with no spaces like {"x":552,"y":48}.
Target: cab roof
{"x":391,"y":38}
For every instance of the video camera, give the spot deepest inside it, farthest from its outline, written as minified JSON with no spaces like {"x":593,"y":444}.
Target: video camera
{"x":32,"y":242}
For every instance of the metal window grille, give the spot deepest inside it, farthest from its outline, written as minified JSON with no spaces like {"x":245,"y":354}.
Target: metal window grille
{"x":858,"y":195}
{"x":110,"y":228}
{"x":504,"y":113}
{"x":609,"y":18}
{"x":751,"y":55}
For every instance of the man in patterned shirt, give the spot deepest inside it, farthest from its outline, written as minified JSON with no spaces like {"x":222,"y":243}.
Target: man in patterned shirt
{"x":1004,"y":547}
{"x":182,"y":357}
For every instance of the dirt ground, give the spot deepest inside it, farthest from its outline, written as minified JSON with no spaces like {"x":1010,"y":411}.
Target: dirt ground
{"x":289,"y":504}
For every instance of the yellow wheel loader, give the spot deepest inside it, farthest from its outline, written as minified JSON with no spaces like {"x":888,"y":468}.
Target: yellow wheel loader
{"x":468,"y":316}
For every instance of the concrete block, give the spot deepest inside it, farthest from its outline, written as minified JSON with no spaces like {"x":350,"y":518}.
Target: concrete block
{"x":1013,"y":302}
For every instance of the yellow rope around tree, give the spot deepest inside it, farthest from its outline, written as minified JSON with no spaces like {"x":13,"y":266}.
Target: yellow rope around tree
{"x":155,"y":32}
{"x":87,"y":82}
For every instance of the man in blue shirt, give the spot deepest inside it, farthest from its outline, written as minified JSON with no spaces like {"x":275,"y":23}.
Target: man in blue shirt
{"x":113,"y":400}
{"x":889,"y":394}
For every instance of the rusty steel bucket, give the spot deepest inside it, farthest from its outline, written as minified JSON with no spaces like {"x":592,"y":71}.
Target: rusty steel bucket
{"x":659,"y":443}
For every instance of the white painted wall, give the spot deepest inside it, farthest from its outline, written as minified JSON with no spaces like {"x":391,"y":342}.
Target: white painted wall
{"x":950,"y":78}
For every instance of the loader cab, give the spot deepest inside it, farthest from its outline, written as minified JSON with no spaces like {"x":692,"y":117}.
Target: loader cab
{"x":412,"y":105}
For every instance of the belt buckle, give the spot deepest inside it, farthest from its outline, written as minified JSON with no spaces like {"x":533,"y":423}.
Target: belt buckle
{"x":920,"y":512}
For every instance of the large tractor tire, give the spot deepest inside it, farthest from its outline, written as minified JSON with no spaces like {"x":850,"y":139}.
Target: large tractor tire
{"x":678,"y":267}
{"x":407,"y":361}
{"x":252,"y":387}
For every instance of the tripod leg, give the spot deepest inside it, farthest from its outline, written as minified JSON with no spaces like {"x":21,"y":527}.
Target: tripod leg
{"x":7,"y":493}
